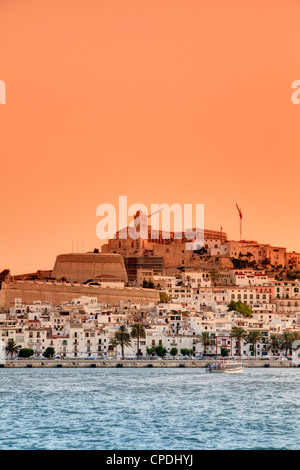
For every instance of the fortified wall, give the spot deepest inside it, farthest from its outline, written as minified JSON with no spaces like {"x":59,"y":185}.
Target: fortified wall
{"x":80,"y":267}
{"x":202,"y":263}
{"x":56,"y":293}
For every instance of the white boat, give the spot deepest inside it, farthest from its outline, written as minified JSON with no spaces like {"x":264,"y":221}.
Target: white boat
{"x":225,"y":367}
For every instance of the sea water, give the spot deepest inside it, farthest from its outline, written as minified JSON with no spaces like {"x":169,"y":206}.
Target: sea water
{"x":154,"y":409}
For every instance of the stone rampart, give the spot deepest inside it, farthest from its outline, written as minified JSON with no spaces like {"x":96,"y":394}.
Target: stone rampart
{"x":56,"y":293}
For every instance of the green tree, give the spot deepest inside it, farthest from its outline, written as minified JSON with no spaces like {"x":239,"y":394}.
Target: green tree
{"x":214,"y":276}
{"x":26,"y":352}
{"x":253,"y":338}
{"x":184,"y":351}
{"x":49,"y":352}
{"x":266,"y":262}
{"x":160,"y":351}
{"x":239,"y":263}
{"x":203,"y":251}
{"x":240,"y":307}
{"x":12,"y":348}
{"x":4,"y":274}
{"x":121,"y":338}
{"x":291,"y":276}
{"x":138,"y":331}
{"x":164,"y":297}
{"x":174,"y":352}
{"x":239,"y":334}
{"x":225,"y":352}
{"x":150,"y":351}
{"x":148,"y":284}
{"x":231,"y":307}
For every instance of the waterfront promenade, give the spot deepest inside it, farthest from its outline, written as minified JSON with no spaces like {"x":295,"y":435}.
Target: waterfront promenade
{"x":142,"y":363}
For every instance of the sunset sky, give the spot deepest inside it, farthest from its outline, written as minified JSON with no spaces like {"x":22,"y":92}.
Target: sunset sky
{"x":185,"y":101}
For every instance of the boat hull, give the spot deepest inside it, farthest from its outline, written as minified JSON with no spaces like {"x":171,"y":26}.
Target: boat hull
{"x":234,"y":370}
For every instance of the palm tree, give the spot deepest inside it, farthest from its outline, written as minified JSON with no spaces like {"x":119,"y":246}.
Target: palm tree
{"x":286,"y":341}
{"x":121,"y":338}
{"x":295,"y":335}
{"x":12,"y":348}
{"x":255,"y":337}
{"x":204,"y":340}
{"x":274,"y":343}
{"x":138,"y":331}
{"x":239,"y":334}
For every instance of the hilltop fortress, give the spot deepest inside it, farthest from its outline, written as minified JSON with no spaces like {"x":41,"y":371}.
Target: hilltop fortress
{"x":125,"y":262}
{"x":67,"y":278}
{"x":81,"y":267}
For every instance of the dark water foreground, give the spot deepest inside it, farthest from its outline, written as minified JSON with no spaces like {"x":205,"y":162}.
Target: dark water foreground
{"x":155,"y":409}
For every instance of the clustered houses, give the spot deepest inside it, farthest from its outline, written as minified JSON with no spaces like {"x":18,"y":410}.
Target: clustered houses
{"x":84,"y":327}
{"x":152,"y":247}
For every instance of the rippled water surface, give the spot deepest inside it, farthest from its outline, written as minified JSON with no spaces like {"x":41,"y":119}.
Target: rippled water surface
{"x":149,"y":409}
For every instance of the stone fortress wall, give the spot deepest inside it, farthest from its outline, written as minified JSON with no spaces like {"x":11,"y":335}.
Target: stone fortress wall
{"x":80,"y":267}
{"x":56,"y":293}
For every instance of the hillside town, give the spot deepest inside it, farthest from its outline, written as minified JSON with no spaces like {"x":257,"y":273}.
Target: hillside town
{"x":154,"y":298}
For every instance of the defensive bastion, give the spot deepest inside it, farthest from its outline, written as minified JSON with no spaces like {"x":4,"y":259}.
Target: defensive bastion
{"x":58,"y":292}
{"x":80,"y":267}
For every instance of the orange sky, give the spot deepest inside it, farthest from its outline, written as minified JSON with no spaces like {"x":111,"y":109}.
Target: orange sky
{"x":184,"y":101}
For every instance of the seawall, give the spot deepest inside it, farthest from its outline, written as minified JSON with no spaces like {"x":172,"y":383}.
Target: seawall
{"x":111,"y":363}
